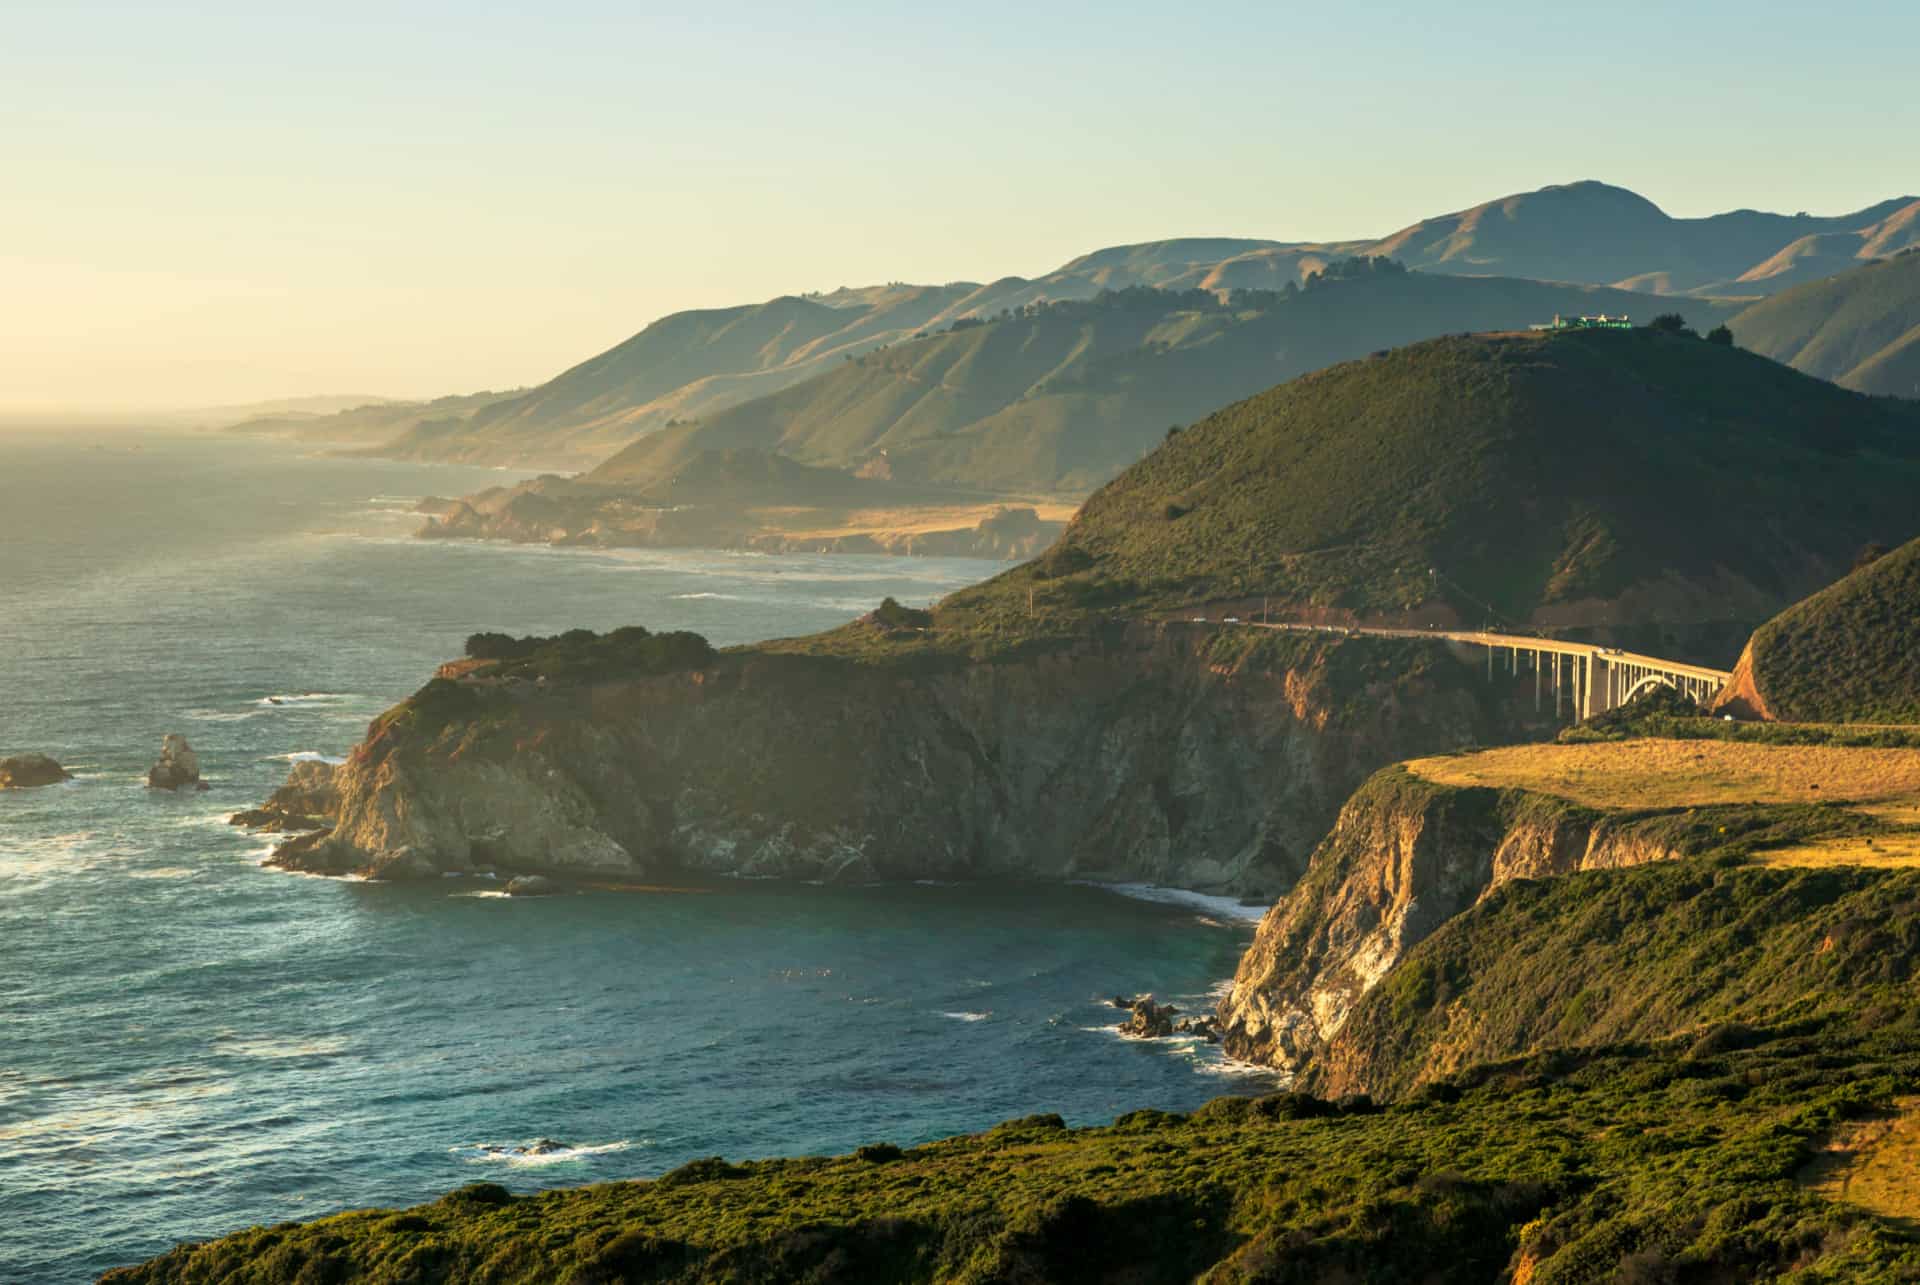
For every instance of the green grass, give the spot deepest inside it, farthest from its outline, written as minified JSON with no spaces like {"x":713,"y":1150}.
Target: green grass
{"x":1604,"y":959}
{"x":1850,"y":653}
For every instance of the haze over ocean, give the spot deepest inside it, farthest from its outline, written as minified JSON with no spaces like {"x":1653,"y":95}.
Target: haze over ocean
{"x":193,"y":1043}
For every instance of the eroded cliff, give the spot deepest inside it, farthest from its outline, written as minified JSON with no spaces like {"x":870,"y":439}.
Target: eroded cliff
{"x":1166,"y":753}
{"x":1407,"y":858}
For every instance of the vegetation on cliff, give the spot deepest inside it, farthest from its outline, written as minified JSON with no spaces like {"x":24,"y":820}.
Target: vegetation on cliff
{"x":581,"y":655}
{"x":1610,"y":958}
{"x":1848,"y":654}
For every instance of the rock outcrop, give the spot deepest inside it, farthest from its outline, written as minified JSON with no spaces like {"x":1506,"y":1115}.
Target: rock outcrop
{"x":1405,"y":857}
{"x":178,"y":767}
{"x":30,"y":771}
{"x":304,"y":803}
{"x":1137,"y":754}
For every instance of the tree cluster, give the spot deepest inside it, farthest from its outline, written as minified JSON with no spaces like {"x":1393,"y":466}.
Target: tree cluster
{"x":584,"y":654}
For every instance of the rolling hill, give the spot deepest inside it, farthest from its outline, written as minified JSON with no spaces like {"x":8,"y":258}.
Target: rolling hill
{"x":1597,"y":233}
{"x":696,"y":364}
{"x":1848,"y":654}
{"x":1059,"y":398}
{"x":1582,"y":480}
{"x":1860,"y":329}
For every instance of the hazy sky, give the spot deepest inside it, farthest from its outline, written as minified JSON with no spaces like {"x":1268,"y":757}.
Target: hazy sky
{"x":213,"y":202}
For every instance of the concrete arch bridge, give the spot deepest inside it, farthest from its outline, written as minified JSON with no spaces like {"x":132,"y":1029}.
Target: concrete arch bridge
{"x":1581,"y":679}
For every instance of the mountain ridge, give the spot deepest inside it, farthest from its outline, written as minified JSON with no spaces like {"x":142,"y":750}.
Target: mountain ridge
{"x":1570,"y":233}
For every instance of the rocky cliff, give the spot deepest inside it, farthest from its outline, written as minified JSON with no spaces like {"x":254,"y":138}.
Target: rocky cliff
{"x":1405,"y":857}
{"x":1169,"y":753}
{"x":1408,"y":858}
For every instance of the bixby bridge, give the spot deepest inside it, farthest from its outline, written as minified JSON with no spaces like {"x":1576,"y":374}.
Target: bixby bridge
{"x":1579,"y":678}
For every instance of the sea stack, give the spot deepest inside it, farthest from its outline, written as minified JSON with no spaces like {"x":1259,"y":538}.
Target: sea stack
{"x":178,"y":767}
{"x":28,"y":771}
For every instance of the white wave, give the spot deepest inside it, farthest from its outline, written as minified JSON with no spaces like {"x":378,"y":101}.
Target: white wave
{"x":968,"y":1017}
{"x":166,"y":872}
{"x":281,"y":699}
{"x":309,"y":756}
{"x":522,"y":1155}
{"x":1228,"y":908}
{"x":1221,"y":1064}
{"x":484,"y":892}
{"x":223,"y":715}
{"x":722,"y":597}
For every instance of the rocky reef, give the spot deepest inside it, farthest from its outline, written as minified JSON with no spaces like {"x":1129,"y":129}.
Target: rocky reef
{"x":30,"y":771}
{"x":177,"y":767}
{"x":1152,"y":752}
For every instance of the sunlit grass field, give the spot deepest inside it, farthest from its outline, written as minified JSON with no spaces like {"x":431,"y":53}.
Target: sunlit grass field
{"x":1657,"y":773}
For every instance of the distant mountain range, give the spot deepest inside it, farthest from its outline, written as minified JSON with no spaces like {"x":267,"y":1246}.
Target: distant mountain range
{"x":694,"y":365}
{"x":1060,"y":397}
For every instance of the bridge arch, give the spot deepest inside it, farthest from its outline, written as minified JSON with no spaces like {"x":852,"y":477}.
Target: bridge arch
{"x":1647,"y":684}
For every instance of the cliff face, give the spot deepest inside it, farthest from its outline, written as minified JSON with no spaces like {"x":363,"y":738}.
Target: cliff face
{"x":1741,"y":697}
{"x":1140,"y":755}
{"x":1404,"y":858}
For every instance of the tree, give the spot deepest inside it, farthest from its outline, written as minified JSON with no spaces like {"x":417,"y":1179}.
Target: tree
{"x":1720,"y":335}
{"x":1669,"y":323}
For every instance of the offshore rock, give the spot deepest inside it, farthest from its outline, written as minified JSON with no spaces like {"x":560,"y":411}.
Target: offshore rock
{"x":178,"y":766}
{"x":1145,"y":752}
{"x":30,"y":771}
{"x":1148,"y":1020}
{"x":532,"y":886}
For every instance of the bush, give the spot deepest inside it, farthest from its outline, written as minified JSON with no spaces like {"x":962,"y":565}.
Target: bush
{"x":894,"y":616}
{"x":1720,"y":335}
{"x":582,"y":655}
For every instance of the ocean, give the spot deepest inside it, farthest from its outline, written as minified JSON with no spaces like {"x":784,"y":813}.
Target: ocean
{"x":191,"y":1043}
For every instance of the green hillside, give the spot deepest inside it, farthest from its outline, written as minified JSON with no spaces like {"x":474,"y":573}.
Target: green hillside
{"x":1059,"y":398}
{"x":1585,"y":478}
{"x":1860,"y":329}
{"x":1848,"y":654}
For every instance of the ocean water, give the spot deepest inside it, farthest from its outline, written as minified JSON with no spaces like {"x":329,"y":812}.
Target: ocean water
{"x":191,"y":1043}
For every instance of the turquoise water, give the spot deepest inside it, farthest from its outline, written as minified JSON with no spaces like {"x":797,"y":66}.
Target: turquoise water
{"x":190,"y":1043}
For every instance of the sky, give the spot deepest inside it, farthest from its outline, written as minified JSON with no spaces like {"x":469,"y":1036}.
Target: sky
{"x":212,"y":203}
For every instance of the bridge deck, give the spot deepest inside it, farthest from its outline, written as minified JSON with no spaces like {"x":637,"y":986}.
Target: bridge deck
{"x":1522,"y":642}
